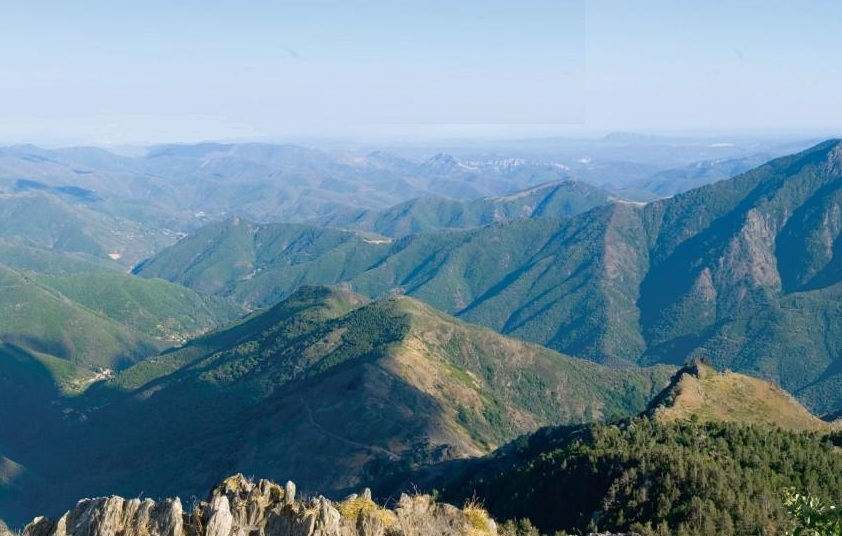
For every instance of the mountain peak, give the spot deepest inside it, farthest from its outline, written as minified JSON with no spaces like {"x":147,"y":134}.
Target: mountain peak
{"x":827,"y":155}
{"x":445,"y":163}
{"x":699,"y":392}
{"x":834,"y":155}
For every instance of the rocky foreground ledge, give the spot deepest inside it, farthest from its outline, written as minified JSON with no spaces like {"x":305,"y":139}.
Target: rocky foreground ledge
{"x":240,"y":507}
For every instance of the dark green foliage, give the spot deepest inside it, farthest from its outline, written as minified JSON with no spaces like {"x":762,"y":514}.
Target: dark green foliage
{"x":262,"y":264}
{"x":810,"y":516}
{"x":652,"y":478}
{"x":38,"y":319}
{"x":225,"y":356}
{"x":162,"y":310}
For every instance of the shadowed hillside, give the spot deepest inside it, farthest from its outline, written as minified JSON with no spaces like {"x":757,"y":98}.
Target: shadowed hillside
{"x":329,"y":391}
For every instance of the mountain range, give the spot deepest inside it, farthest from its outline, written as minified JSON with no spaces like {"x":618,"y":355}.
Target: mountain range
{"x":555,"y":199}
{"x":342,"y":338}
{"x":742,"y":272}
{"x":179,"y":187}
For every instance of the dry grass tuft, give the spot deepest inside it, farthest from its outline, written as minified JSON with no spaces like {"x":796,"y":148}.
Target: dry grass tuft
{"x":352,"y":509}
{"x":732,"y":397}
{"x":478,"y":518}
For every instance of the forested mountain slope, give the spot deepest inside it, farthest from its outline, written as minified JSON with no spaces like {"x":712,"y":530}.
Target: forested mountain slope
{"x":324,"y":389}
{"x":743,"y":272}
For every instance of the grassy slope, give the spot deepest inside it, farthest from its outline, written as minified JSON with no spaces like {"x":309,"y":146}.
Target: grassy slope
{"x":44,"y":261}
{"x":701,"y":394}
{"x":41,"y":320}
{"x":713,"y":455}
{"x":498,"y":387}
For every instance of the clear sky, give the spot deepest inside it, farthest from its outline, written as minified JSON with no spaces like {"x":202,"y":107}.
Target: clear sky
{"x":117,"y":72}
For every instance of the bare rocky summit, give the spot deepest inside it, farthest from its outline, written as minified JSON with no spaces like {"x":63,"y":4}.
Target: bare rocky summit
{"x":240,"y":507}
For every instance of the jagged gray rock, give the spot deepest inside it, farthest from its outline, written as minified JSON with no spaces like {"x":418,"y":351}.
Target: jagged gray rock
{"x":289,"y":492}
{"x":240,"y":507}
{"x":113,"y":516}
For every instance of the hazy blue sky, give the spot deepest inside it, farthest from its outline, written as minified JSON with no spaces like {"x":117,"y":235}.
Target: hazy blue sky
{"x":117,"y":71}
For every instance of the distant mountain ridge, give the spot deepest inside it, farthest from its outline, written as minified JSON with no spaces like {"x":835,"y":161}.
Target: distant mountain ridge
{"x":179,"y":186}
{"x":53,"y":222}
{"x":742,"y":272}
{"x":557,"y":199}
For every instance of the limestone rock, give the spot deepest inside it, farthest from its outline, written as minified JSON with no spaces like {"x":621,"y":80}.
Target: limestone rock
{"x":240,"y":507}
{"x":40,"y":526}
{"x":289,"y":492}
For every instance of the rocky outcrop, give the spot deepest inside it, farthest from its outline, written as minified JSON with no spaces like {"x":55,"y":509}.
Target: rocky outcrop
{"x":240,"y":507}
{"x":114,"y":516}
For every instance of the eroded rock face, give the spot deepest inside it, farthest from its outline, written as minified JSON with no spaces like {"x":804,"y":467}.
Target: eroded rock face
{"x":114,"y":516}
{"x":240,"y":507}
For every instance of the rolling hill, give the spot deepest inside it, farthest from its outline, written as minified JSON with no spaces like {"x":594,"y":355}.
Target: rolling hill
{"x":47,"y":221}
{"x":101,"y":320}
{"x":60,"y":334}
{"x":260,"y":264}
{"x":34,"y":260}
{"x":39,"y":320}
{"x":556,"y":199}
{"x":164,"y":311}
